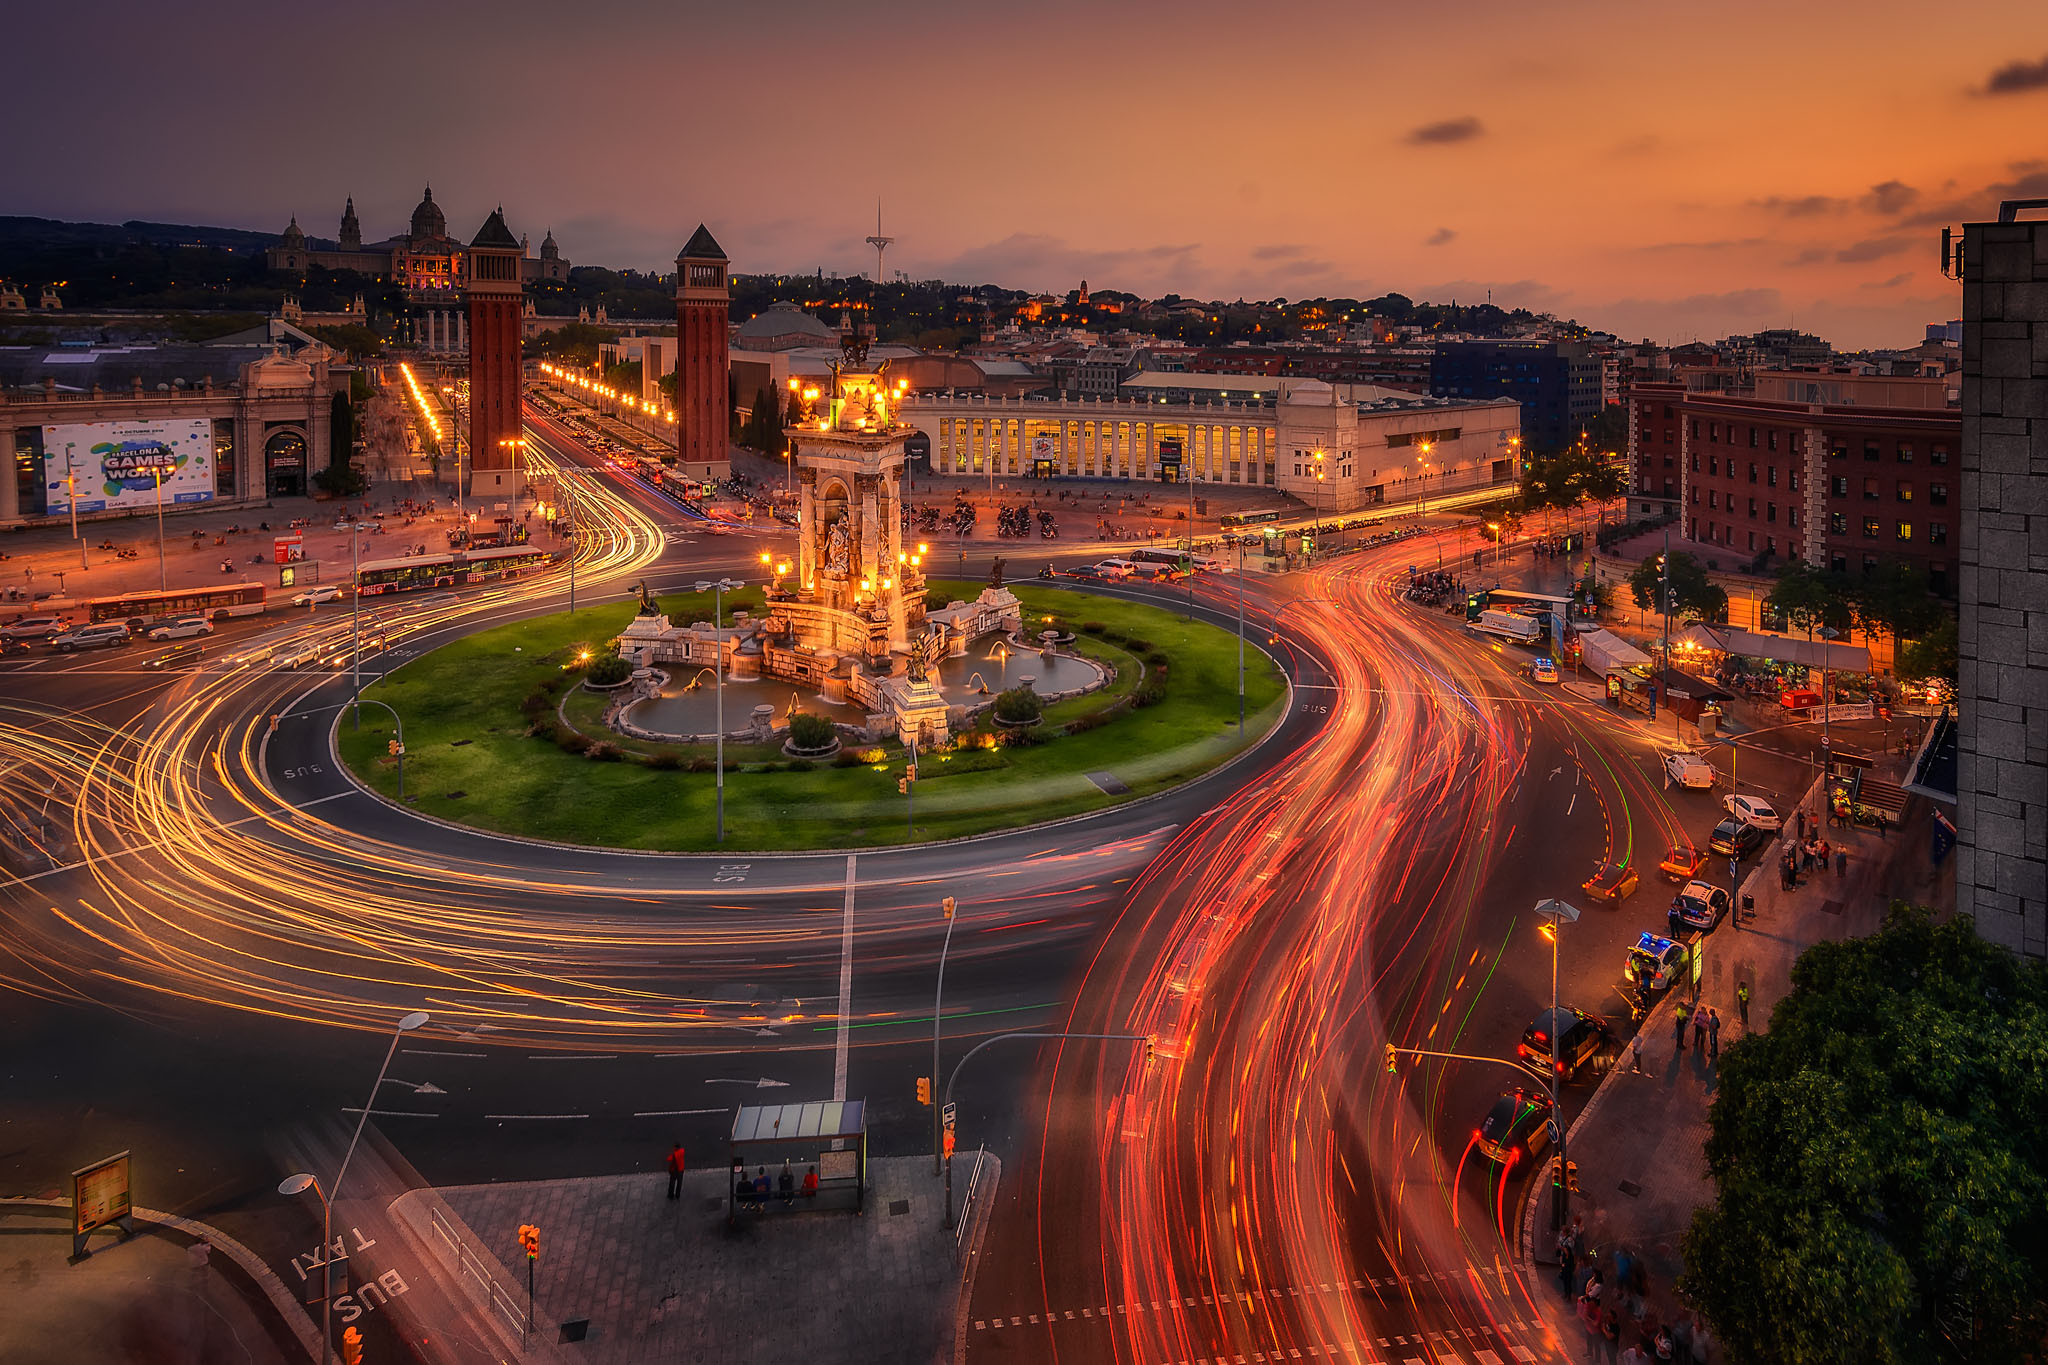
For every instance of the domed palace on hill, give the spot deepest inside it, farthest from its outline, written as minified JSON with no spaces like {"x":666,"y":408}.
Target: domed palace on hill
{"x":423,"y":260}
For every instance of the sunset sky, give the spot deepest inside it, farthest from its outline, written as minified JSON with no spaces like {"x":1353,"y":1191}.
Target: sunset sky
{"x":1663,"y":171}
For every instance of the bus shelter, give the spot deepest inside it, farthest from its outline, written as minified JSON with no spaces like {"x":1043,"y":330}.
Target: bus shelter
{"x":825,"y":1139}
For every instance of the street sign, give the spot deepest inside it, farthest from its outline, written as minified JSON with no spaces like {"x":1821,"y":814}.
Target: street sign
{"x":100,"y":1195}
{"x":946,"y":1114}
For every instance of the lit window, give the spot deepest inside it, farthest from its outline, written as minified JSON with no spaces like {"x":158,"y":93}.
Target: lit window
{"x":1905,"y":531}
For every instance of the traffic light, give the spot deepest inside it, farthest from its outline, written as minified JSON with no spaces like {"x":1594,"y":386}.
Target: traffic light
{"x":946,"y":905}
{"x":1393,"y":1060}
{"x":947,"y":1139}
{"x":529,"y":1239}
{"x":351,"y":1346}
{"x":391,"y":746}
{"x":924,"y":1090}
{"x":902,"y":786}
{"x":1571,"y":1176}
{"x":1150,"y":1049}
{"x":910,"y":773}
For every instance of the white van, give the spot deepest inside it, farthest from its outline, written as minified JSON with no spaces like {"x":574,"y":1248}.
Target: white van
{"x":1117,"y":570}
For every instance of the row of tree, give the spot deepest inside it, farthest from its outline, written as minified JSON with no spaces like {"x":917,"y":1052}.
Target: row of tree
{"x":1569,"y":478}
{"x":1891,"y":602}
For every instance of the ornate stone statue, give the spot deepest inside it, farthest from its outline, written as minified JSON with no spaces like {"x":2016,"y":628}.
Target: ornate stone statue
{"x":995,"y":573}
{"x":837,"y":550}
{"x":924,"y":648}
{"x":647,"y":607}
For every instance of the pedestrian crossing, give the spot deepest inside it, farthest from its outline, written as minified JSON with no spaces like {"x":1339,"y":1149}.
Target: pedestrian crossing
{"x":1514,"y":1341}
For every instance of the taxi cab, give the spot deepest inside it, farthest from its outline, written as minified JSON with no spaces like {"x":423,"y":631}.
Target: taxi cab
{"x":1612,"y":883}
{"x":1682,"y":863}
{"x":1656,"y":963}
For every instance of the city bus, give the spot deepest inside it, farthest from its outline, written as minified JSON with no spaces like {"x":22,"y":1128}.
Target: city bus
{"x":450,"y":570}
{"x":219,"y":599}
{"x":1250,"y":518}
{"x":1179,"y":559}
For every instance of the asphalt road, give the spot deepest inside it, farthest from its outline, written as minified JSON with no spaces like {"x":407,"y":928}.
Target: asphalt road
{"x":209,"y":975}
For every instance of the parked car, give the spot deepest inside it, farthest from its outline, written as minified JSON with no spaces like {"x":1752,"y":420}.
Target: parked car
{"x":181,"y":628}
{"x":1656,"y":962}
{"x":1579,"y":1036}
{"x":1698,"y":905}
{"x":1543,"y":671}
{"x":1687,"y":769}
{"x":26,"y":628}
{"x":313,"y":597}
{"x":105,"y":635}
{"x":1735,"y":838}
{"x":1752,"y":811}
{"x":1516,"y":1127}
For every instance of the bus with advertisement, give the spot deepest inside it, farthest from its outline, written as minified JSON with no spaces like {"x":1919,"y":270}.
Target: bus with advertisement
{"x":410,"y":572}
{"x":212,"y":601}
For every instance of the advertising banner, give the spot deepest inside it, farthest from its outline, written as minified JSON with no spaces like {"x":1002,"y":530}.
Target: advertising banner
{"x":115,"y":465}
{"x":100,"y":1196}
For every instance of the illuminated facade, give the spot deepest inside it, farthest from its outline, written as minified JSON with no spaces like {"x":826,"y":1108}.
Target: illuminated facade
{"x":424,"y":261}
{"x":1382,"y":450}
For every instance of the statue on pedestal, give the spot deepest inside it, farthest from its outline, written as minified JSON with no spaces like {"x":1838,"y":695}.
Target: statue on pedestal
{"x":924,"y":649}
{"x":995,"y":573}
{"x":837,"y":550}
{"x":647,"y":607}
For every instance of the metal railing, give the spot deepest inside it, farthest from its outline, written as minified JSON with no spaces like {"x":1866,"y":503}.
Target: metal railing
{"x":472,"y":1266}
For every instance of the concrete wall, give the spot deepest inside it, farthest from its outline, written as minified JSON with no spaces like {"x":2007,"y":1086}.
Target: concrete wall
{"x":2002,"y":779}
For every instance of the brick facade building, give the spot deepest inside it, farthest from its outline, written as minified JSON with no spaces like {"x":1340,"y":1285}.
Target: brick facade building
{"x":494,"y":294}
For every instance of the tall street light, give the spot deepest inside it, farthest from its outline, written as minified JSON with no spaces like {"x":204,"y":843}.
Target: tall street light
{"x":300,"y":1183}
{"x":162,"y":581}
{"x":718,"y":591}
{"x":355,"y":618}
{"x":1318,"y":466}
{"x":1828,"y":635}
{"x":938,"y":999}
{"x":1240,"y":637}
{"x":1556,"y":914}
{"x":71,"y":484}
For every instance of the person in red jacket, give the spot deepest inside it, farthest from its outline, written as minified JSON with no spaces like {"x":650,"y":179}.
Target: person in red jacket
{"x":675,"y":1172}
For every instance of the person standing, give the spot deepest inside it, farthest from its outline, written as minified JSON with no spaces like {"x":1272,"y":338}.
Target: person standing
{"x":1699,"y":1026}
{"x":1713,"y":1034}
{"x":1841,"y":862}
{"x":1679,"y":1015}
{"x":1742,"y":1002}
{"x":675,"y":1171}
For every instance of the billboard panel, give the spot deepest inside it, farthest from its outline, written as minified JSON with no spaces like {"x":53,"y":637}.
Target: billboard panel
{"x":116,"y":464}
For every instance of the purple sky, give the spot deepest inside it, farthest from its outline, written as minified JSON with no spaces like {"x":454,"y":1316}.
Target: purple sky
{"x":1668,"y":173}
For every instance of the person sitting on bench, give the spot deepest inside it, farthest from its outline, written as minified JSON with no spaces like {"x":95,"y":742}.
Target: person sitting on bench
{"x":811,"y":1183}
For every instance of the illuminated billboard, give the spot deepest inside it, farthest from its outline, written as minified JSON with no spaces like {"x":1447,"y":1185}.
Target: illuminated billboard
{"x":115,"y":465}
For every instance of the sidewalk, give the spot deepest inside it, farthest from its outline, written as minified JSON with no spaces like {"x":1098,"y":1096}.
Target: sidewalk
{"x":1639,"y":1143}
{"x":654,"y":1280}
{"x":157,"y":1296}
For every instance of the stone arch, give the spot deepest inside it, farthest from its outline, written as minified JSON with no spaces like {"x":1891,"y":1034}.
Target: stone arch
{"x":286,"y":463}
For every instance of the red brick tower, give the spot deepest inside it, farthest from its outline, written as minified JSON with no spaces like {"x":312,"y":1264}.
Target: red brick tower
{"x":703,"y":412}
{"x":495,"y":294}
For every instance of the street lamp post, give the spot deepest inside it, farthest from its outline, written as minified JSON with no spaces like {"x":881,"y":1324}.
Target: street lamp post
{"x":162,"y":579}
{"x":299,"y":1184}
{"x":1318,"y":543}
{"x":355,"y":621}
{"x":1240,"y":638}
{"x":1828,"y":634}
{"x":718,"y":590}
{"x":1556,"y":914}
{"x":71,"y":484}
{"x":938,"y":999}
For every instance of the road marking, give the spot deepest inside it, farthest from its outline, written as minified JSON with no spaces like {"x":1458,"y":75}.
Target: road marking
{"x":572,"y":1056}
{"x":675,"y":1113}
{"x":429,"y":1052}
{"x":159,"y":843}
{"x":845,"y":987}
{"x":394,"y":1113}
{"x":536,"y":1116}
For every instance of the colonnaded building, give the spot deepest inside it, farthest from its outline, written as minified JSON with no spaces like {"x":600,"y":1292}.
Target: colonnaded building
{"x":228,"y":423}
{"x":1348,"y":446}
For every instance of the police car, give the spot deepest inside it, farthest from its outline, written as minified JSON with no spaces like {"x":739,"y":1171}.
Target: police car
{"x":1698,"y":905}
{"x":1656,"y":963}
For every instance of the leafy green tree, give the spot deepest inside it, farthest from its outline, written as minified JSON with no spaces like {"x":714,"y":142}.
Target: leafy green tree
{"x":1879,"y":1159}
{"x":1933,"y":655}
{"x":1893,"y":600}
{"x":1809,"y":598}
{"x":351,"y":338}
{"x":1694,"y":596}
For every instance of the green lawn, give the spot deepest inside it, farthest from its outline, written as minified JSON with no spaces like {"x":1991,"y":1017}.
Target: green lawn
{"x":469,"y":758}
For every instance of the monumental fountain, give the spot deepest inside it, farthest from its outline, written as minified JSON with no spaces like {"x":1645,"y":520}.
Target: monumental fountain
{"x":845,"y":630}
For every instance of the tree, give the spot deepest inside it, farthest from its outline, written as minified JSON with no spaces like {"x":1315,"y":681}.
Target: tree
{"x":1694,"y":596}
{"x":1809,"y":598}
{"x":1933,"y":655}
{"x":1893,"y":600}
{"x":1879,"y":1160}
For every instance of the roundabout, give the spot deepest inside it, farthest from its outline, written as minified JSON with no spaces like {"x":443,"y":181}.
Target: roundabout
{"x":503,"y":735}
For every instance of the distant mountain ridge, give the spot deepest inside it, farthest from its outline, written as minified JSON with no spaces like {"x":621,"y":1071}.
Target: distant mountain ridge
{"x":18,"y":231}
